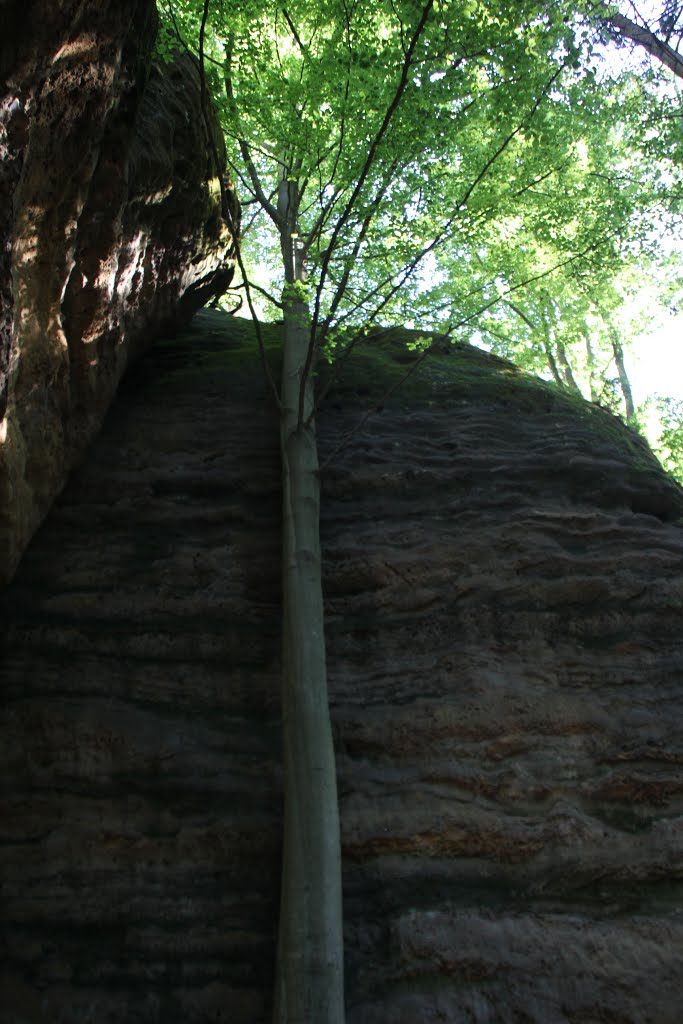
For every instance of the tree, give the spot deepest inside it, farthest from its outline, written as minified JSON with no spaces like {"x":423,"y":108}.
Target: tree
{"x":659,"y":36}
{"x":578,"y":329}
{"x":669,"y":444}
{"x":378,"y":146}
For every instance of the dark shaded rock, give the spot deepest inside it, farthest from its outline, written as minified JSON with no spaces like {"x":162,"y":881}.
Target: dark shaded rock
{"x":504,"y":588}
{"x":114,"y":224}
{"x":140,"y":803}
{"x":504,"y":583}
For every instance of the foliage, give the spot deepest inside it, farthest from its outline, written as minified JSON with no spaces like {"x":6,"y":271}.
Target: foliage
{"x":517,"y":195}
{"x":500,"y":161}
{"x":669,"y":445}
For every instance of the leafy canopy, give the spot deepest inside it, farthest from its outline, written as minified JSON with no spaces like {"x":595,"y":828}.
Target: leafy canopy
{"x":414,"y":129}
{"x":461,"y":165}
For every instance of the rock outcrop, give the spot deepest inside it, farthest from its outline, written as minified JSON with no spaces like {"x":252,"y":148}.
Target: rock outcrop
{"x":504,"y":587}
{"x":114,"y":224}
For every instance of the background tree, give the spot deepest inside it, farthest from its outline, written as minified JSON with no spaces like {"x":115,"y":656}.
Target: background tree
{"x":418,"y":159}
{"x":657,"y":30}
{"x":670,"y":439}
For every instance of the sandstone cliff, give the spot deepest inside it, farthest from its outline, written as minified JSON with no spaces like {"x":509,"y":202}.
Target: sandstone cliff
{"x":504,"y":588}
{"x":113,"y":221}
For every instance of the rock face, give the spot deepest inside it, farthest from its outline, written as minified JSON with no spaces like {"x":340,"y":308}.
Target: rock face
{"x":114,"y":224}
{"x":504,"y":586}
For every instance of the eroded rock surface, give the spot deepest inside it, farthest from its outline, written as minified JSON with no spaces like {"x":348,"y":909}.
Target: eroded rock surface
{"x":114,"y":224}
{"x":504,"y":593}
{"x":504,"y":587}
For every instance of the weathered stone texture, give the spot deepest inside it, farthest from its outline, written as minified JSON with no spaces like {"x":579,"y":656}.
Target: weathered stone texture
{"x":114,"y":224}
{"x":504,"y":594}
{"x":139,"y":737}
{"x":504,"y":588}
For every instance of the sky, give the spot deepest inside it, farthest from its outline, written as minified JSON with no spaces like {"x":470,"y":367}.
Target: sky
{"x":655,"y":361}
{"x":655,"y":364}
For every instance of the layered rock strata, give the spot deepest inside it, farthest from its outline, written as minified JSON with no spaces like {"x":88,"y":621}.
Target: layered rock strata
{"x":504,"y":588}
{"x":114,"y":223}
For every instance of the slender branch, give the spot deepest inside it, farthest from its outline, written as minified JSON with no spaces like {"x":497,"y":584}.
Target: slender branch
{"x":360,"y":238}
{"x":521,"y":314}
{"x":317,"y":341}
{"x":530,"y":185}
{"x":264,"y":292}
{"x":264,"y":150}
{"x":567,"y":372}
{"x":547,"y":347}
{"x":326,"y":211}
{"x":244,"y":146}
{"x":404,"y":276}
{"x":202,"y":68}
{"x":446,"y":227}
{"x":373,"y":409}
{"x":339,"y":364}
{"x":238,"y":298}
{"x":254,"y":217}
{"x":257,"y":323}
{"x":234,"y":227}
{"x":488,"y":329}
{"x":178,"y":33}
{"x":369,"y":161}
{"x":508,"y":139}
{"x":293,"y":30}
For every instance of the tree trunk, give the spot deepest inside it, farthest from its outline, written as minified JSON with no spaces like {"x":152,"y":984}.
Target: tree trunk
{"x":641,"y":36}
{"x":590,"y":365}
{"x":624,"y":381}
{"x":567,"y":374}
{"x":310,"y":969}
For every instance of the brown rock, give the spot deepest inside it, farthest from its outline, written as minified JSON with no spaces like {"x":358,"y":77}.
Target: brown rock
{"x":114,"y":224}
{"x":504,"y":587}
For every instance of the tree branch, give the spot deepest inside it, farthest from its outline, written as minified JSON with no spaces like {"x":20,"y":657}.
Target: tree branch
{"x":293,"y":30}
{"x":244,"y":147}
{"x":661,"y":51}
{"x":369,"y":161}
{"x":234,"y":227}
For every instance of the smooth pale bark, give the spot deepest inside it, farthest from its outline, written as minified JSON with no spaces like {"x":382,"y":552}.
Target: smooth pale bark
{"x":310,"y":968}
{"x":567,"y":373}
{"x":624,"y":381}
{"x":590,"y":363}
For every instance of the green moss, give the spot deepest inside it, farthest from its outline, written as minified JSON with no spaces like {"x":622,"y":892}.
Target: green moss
{"x":453,"y":374}
{"x":388,"y":369}
{"x":215,"y":343}
{"x":446,"y":372}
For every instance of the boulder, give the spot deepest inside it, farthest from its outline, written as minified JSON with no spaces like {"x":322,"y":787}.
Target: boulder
{"x":116,"y":222}
{"x":503,"y":586}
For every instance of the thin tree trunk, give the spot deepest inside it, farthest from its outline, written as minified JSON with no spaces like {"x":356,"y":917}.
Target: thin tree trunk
{"x":553,"y":365}
{"x":310,"y":962}
{"x":590,"y":364}
{"x":567,"y":373}
{"x":624,"y":380}
{"x":548,"y":348}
